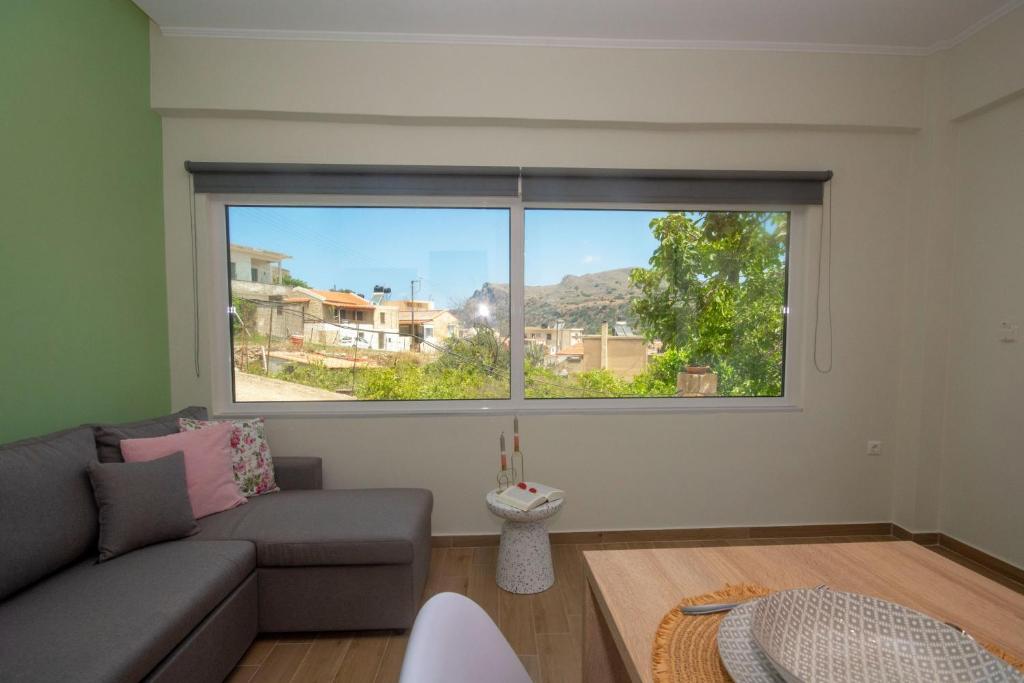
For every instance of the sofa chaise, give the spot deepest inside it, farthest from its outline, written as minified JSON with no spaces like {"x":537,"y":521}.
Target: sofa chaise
{"x":303,"y":559}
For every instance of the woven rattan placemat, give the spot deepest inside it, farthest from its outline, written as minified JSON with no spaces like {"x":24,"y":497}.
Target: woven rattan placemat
{"x":686,"y":646}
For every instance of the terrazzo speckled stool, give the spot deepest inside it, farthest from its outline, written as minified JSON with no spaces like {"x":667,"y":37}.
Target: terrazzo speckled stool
{"x":524,"y":558}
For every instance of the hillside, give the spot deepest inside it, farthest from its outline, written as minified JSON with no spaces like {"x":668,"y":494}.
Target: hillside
{"x":581,"y":300}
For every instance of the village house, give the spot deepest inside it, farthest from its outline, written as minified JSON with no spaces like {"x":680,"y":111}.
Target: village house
{"x":623,"y":355}
{"x":425,"y":325}
{"x":257,"y":271}
{"x":257,"y":276}
{"x":347,"y":319}
{"x":553,"y":339}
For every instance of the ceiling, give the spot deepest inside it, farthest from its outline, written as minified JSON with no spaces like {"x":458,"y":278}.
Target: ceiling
{"x":873,"y":26}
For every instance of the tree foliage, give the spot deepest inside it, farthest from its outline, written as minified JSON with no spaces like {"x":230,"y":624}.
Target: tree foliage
{"x":245,"y":316}
{"x":292,"y":281}
{"x":714,"y":295}
{"x":475,"y":367}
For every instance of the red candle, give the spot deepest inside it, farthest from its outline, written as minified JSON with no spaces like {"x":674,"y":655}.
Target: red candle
{"x":504,"y":458}
{"x":515,"y":435}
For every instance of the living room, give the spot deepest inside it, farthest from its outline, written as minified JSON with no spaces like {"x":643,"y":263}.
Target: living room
{"x":731,"y":290}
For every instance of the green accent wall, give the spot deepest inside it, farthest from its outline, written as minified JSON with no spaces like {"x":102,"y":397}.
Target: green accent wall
{"x":82,"y":278}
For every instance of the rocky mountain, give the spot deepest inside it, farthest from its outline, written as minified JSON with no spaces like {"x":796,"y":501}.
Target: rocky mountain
{"x":580,"y":300}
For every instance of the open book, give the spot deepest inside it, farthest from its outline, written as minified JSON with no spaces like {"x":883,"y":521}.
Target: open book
{"x":528,"y":498}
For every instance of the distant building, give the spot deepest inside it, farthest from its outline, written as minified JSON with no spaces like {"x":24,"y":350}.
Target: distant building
{"x":430,"y":326}
{"x":625,"y":356}
{"x":421,"y":322}
{"x":249,"y":264}
{"x":257,"y":274}
{"x":553,"y":339}
{"x":347,"y":319}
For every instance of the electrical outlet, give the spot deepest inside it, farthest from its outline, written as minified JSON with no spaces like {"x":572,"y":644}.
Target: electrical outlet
{"x":874,"y":447}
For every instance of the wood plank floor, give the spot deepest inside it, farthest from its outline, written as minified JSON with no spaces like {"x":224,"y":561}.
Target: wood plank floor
{"x":544,"y":629}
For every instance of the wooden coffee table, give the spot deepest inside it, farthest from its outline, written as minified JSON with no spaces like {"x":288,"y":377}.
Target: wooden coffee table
{"x":627,"y":592}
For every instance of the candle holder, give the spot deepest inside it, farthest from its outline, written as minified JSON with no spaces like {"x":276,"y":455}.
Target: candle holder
{"x":506,"y":478}
{"x":518,"y":466}
{"x":513,"y":475}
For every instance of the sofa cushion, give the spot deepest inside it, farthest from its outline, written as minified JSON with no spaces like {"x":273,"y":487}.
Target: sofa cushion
{"x":108,"y":437}
{"x":47,"y":511}
{"x":327,"y":528}
{"x":250,"y":453}
{"x":211,"y":484}
{"x":117,"y":620}
{"x":294,"y":472}
{"x":141,"y":503}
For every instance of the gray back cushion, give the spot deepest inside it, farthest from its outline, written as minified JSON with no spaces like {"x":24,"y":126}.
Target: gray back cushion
{"x":141,"y":503}
{"x":108,"y":437}
{"x":47,"y":511}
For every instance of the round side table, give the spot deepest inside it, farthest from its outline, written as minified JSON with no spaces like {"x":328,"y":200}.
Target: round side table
{"x":524,"y":557}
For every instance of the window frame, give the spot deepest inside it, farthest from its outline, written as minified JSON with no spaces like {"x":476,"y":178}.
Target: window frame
{"x":218,"y":303}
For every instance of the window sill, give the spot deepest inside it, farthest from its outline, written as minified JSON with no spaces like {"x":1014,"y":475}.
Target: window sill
{"x":344,"y":409}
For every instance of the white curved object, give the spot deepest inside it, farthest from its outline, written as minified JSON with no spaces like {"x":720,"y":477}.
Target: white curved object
{"x":455,"y":641}
{"x":815,"y":636}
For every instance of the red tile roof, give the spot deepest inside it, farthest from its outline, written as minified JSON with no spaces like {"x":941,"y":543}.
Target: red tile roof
{"x":344,"y":299}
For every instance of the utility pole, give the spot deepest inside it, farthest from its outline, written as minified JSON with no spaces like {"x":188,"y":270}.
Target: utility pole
{"x":412,"y":311}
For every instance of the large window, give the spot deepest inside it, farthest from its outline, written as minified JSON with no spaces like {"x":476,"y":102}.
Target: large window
{"x":655,"y":304}
{"x":384,"y":289}
{"x":368,"y":303}
{"x":418,"y":305}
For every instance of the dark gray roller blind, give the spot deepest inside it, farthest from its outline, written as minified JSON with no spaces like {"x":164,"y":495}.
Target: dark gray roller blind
{"x":673,"y":187}
{"x":538,"y":184}
{"x":455,"y":181}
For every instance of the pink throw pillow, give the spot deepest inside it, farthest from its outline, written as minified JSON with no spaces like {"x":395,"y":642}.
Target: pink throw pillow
{"x":208,"y":471}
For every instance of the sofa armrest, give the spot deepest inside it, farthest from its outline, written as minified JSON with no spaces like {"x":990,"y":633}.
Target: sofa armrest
{"x":294,"y":473}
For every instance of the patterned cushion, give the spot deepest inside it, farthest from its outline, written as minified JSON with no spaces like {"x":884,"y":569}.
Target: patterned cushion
{"x":250,"y":453}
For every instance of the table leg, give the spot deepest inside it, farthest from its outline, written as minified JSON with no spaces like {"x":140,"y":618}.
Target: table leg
{"x":524,"y":558}
{"x":602,"y":662}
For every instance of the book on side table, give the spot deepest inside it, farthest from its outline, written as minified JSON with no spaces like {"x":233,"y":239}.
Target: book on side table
{"x":526,"y":496}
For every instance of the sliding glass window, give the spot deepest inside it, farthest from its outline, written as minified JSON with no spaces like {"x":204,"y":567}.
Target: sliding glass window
{"x":426,"y":290}
{"x":332,"y":303}
{"x":654,"y":304}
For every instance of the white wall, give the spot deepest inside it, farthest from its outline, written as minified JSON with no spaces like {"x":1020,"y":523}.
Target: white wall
{"x":983,"y":462}
{"x":325,"y":80}
{"x":865,"y":117}
{"x":982,"y":473}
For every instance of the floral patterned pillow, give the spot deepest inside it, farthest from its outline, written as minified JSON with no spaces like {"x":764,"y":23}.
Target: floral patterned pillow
{"x":250,"y":453}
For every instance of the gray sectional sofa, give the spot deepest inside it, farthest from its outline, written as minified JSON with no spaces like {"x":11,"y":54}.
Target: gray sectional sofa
{"x":303,"y":559}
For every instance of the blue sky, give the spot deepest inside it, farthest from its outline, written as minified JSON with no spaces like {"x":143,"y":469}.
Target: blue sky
{"x":451,"y":251}
{"x":574,"y":242}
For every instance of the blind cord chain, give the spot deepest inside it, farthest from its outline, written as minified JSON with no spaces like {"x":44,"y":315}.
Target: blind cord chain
{"x":824,"y":254}
{"x":195,"y":272}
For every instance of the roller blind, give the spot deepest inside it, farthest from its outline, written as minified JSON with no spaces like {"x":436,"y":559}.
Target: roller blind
{"x":456,"y":181}
{"x":535,"y":184}
{"x":673,"y":187}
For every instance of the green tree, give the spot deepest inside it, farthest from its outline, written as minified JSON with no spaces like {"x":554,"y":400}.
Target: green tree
{"x":292,"y":281}
{"x":474,"y":367}
{"x":714,"y":294}
{"x":243,"y":322}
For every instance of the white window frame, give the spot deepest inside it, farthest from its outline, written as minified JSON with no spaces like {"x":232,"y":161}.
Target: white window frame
{"x":220,"y":353}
